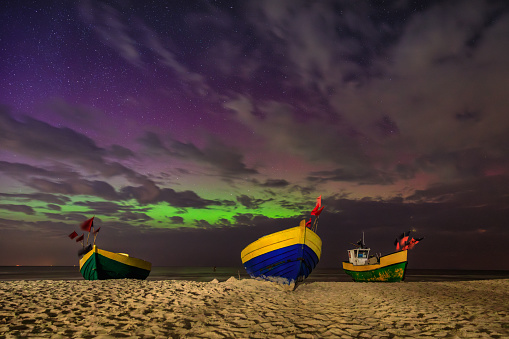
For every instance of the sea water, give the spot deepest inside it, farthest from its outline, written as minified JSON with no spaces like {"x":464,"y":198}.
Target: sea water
{"x":205,"y":274}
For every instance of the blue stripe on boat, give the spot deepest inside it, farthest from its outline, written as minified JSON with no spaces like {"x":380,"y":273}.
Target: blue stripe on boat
{"x":290,"y":263}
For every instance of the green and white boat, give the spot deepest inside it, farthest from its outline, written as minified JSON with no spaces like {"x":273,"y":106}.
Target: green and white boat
{"x":388,"y":268}
{"x":363,"y":267}
{"x":99,"y":264}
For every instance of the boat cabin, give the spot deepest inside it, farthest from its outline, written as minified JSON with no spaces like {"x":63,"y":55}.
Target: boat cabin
{"x":358,"y":256}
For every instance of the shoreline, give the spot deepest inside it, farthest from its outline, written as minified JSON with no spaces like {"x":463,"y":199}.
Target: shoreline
{"x":206,"y":274}
{"x":250,"y":308}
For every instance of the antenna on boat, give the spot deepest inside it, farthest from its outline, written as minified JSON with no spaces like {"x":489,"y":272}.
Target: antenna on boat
{"x":363,"y":243}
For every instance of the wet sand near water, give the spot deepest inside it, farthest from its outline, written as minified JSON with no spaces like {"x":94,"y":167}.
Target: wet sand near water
{"x":253,"y":309}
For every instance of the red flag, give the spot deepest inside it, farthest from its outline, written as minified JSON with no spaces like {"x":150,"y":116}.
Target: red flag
{"x":80,"y":238}
{"x":308,"y":224}
{"x":317,"y":207}
{"x":73,"y":235}
{"x":319,"y":211}
{"x":87,"y":224}
{"x":97,"y":230}
{"x":316,"y":211}
{"x":404,"y":243}
{"x":412,"y":243}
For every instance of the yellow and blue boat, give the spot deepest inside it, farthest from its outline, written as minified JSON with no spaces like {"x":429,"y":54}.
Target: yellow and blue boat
{"x":99,"y":264}
{"x":286,"y":257}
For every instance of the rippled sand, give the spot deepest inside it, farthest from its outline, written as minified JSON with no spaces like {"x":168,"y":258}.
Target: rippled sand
{"x":253,"y":309}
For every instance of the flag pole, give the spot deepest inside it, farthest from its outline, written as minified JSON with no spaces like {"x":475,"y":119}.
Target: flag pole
{"x":88,"y":236}
{"x":95,"y":234}
{"x":315,"y":224}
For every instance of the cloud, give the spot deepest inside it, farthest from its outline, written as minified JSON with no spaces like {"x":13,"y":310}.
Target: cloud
{"x":112,"y":29}
{"x":39,"y":140}
{"x":20,"y":171}
{"x":138,"y":44}
{"x":468,"y":116}
{"x":203,"y":224}
{"x":302,"y":34}
{"x":449,"y":81}
{"x":76,"y":218}
{"x":248,"y":219}
{"x":275,"y":183}
{"x":475,"y":192}
{"x":250,"y":202}
{"x":176,"y":220}
{"x":153,"y":143}
{"x":154,"y":194}
{"x":18,"y":208}
{"x":108,"y":207}
{"x":120,"y":152}
{"x":132,"y":216}
{"x":224,"y":158}
{"x":70,"y":181}
{"x":75,"y":187}
{"x":217,"y":154}
{"x":48,"y":198}
{"x":185,"y":199}
{"x":362,"y":177}
{"x":319,"y":139}
{"x":391,"y":93}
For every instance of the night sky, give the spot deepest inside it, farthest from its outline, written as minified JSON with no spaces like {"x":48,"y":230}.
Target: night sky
{"x":191,"y":128}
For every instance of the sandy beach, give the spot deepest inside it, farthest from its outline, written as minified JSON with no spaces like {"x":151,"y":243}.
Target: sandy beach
{"x":253,"y":309}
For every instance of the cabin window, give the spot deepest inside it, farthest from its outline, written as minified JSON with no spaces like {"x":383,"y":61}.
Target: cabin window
{"x":363,"y":254}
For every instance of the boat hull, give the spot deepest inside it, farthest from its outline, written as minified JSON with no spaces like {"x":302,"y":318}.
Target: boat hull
{"x":391,"y":268}
{"x":99,"y":264}
{"x":286,"y":257}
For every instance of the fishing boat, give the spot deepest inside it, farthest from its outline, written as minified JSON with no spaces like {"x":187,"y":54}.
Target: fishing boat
{"x":388,"y":268}
{"x":98,"y":264}
{"x":286,"y":257}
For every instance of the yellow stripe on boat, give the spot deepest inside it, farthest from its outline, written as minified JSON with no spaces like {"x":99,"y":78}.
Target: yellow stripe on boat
{"x":87,"y":256}
{"x":313,"y":241}
{"x":292,"y":236}
{"x":119,"y":257}
{"x":386,"y":260}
